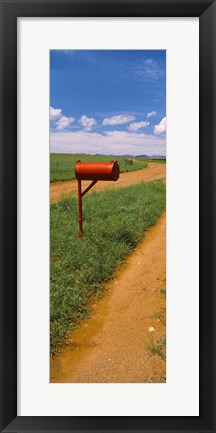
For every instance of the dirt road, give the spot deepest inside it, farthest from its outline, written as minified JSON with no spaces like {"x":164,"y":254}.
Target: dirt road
{"x":152,"y":172}
{"x":112,"y":345}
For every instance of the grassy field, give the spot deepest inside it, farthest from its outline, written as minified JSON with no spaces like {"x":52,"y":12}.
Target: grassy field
{"x":158,"y":160}
{"x":62,"y":165}
{"x":114,"y":223}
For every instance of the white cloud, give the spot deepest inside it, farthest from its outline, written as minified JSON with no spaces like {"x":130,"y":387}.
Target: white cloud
{"x":161,"y":127}
{"x":152,"y":113}
{"x":64,"y":122}
{"x":118,"y":120}
{"x":61,"y":122}
{"x":55,"y":113}
{"x":149,"y":70}
{"x":109,"y":143}
{"x":87,"y":122}
{"x":137,"y":125}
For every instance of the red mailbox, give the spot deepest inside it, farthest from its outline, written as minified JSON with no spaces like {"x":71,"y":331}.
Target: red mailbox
{"x":97,"y":170}
{"x":93,"y":171}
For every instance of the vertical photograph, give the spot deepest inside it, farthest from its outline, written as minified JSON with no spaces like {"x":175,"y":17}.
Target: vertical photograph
{"x":107,"y":216}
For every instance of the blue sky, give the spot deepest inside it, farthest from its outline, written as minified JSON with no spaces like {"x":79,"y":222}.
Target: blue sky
{"x":111,"y":102}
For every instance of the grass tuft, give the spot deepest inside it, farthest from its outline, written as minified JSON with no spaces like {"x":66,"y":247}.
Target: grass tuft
{"x":161,"y":315}
{"x":158,"y":347}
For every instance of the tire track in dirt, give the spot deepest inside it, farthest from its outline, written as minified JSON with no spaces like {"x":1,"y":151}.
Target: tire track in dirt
{"x":152,"y":172}
{"x":111,"y":346}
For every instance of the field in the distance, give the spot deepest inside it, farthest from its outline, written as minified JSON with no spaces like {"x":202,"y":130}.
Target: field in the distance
{"x":158,"y":160}
{"x":62,"y":165}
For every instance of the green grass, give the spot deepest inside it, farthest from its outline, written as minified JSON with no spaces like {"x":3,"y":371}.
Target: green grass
{"x":158,"y":347}
{"x":114,"y":223}
{"x":158,"y":160}
{"x":161,"y":315}
{"x":163,"y":292}
{"x":62,"y":165}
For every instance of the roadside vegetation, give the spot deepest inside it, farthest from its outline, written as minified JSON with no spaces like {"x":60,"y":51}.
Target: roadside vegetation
{"x":158,"y":160}
{"x":114,"y":222}
{"x":62,"y":165}
{"x":157,"y":346}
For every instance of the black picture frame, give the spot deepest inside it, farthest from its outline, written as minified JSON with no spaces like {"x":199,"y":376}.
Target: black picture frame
{"x":10,"y":10}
